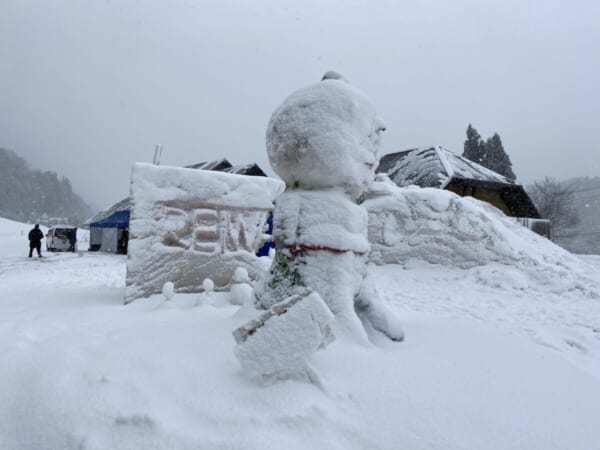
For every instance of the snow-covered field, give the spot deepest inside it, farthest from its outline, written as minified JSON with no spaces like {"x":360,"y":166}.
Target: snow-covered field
{"x":491,"y":360}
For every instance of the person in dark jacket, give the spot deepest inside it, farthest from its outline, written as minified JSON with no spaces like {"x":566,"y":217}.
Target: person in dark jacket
{"x":35,"y":240}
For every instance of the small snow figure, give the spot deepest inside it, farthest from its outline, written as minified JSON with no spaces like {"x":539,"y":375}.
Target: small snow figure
{"x":208,"y":285}
{"x":241,"y":289}
{"x":168,"y":290}
{"x":323,"y":142}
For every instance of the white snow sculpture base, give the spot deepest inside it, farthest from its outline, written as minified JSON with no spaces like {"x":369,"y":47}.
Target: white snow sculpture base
{"x":187,"y":225}
{"x":279,"y":344}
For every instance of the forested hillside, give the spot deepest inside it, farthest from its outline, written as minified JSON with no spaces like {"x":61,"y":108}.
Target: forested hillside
{"x":28,"y":195}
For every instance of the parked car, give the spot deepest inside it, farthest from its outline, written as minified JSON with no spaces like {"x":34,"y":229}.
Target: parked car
{"x":61,"y":238}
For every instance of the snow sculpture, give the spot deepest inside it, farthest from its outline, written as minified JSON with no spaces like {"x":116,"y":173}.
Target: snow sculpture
{"x":189,"y":224}
{"x":241,"y":289}
{"x":279,"y":344}
{"x":323,"y":142}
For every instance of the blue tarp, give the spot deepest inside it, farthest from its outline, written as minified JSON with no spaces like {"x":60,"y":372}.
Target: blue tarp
{"x":264,"y":250}
{"x":119,"y":219}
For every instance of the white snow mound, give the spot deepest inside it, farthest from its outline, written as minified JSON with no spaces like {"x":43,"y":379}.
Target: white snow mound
{"x":440,"y":227}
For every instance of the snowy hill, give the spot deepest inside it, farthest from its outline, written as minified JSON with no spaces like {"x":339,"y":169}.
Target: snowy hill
{"x":493,"y":359}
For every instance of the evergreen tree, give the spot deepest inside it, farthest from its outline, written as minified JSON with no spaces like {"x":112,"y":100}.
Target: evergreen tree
{"x":474,"y":148}
{"x":496,"y":158}
{"x":489,"y":154}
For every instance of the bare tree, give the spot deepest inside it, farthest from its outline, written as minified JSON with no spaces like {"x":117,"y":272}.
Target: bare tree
{"x":555,"y":201}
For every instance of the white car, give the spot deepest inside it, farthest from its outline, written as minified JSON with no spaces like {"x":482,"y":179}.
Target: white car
{"x":62,"y":238}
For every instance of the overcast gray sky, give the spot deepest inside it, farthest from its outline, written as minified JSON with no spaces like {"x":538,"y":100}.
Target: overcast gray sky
{"x":89,"y":87}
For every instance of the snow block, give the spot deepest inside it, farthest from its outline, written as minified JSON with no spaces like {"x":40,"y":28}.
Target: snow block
{"x":187,"y":225}
{"x":279,"y":344}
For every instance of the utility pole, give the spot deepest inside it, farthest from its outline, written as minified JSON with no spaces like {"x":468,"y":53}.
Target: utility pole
{"x":157,"y":154}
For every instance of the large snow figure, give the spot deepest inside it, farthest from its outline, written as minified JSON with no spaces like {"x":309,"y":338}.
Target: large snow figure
{"x":323,"y":142}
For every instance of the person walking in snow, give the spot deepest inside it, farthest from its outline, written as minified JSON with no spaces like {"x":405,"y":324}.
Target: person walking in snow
{"x":35,"y":240}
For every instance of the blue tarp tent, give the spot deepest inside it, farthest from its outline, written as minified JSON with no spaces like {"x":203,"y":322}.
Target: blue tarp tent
{"x":109,"y":230}
{"x":119,"y":219}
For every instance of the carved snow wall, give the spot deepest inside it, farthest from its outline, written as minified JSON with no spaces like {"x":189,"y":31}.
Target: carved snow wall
{"x":187,"y":225}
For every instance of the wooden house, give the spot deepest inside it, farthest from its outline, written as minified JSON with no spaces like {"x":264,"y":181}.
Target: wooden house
{"x":438,"y":167}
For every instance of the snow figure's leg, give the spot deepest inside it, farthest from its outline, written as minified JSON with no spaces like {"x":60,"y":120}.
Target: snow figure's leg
{"x":372,"y":309}
{"x":333,"y":275}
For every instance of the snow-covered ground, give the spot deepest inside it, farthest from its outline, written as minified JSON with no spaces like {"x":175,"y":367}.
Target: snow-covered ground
{"x":489,"y":362}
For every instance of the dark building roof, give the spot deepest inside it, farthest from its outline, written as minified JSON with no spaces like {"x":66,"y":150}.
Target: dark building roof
{"x":438,"y":167}
{"x":220,"y":165}
{"x":249,"y":169}
{"x":223,"y":165}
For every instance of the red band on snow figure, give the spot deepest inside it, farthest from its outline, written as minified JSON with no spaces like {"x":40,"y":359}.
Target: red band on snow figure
{"x":297,"y":249}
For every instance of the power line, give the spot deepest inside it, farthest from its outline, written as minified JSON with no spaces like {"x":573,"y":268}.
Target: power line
{"x":593,"y":188}
{"x":571,"y":192}
{"x":585,"y":233}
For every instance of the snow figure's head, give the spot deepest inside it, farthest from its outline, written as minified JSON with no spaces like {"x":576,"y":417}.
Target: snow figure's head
{"x":325,"y":135}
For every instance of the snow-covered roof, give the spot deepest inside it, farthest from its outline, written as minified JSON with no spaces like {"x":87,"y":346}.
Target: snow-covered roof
{"x":247,"y":169}
{"x":220,"y":164}
{"x":223,"y":165}
{"x":437,"y":167}
{"x":434,"y":167}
